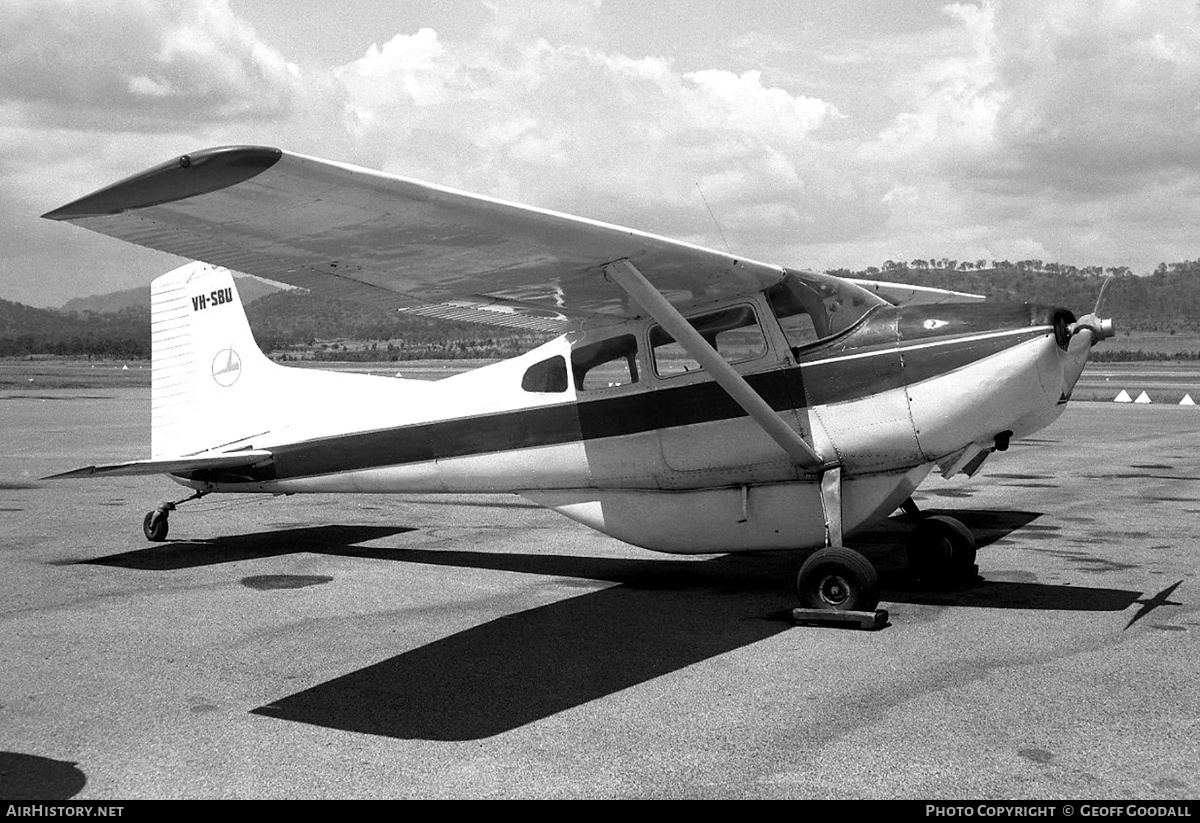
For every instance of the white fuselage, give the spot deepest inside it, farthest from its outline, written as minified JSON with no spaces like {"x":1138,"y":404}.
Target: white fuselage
{"x":653,"y":462}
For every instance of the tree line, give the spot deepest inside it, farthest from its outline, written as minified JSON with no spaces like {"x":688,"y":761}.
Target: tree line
{"x":295,"y":324}
{"x":1168,"y":300}
{"x":123,"y":335}
{"x":288,"y":325}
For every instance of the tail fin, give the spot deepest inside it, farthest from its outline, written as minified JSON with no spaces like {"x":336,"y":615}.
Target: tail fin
{"x":211,"y":385}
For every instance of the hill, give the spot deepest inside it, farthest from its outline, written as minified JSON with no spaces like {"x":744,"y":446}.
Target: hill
{"x":1161,"y":311}
{"x":287,"y":324}
{"x":250,"y":289}
{"x":298,"y":324}
{"x":1166,"y":301}
{"x":25,"y":330}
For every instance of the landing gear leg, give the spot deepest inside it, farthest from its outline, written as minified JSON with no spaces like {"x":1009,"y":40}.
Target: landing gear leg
{"x":837,"y":585}
{"x":154,"y":524}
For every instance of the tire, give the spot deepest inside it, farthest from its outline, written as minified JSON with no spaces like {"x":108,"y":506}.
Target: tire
{"x":941,"y":551}
{"x":154,"y":525}
{"x":838,"y":579}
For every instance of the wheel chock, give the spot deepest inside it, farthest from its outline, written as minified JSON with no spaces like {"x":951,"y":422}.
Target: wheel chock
{"x":867,"y":621}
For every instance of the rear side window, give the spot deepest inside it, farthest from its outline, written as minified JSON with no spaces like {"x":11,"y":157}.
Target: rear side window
{"x":606,"y":364}
{"x":734,"y":333}
{"x":546,"y":376}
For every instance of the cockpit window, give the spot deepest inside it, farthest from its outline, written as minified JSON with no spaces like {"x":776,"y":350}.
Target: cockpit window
{"x":546,"y":376}
{"x":812,"y":306}
{"x":733,"y":332}
{"x":606,"y":364}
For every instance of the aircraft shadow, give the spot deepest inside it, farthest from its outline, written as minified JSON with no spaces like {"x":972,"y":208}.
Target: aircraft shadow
{"x":987,"y":525}
{"x":29,"y":777}
{"x":885,"y":545}
{"x":187,"y":554}
{"x":661,"y":616}
{"x":508,"y":672}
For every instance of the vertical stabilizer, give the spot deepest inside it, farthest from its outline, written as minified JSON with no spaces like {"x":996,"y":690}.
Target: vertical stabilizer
{"x":211,"y":385}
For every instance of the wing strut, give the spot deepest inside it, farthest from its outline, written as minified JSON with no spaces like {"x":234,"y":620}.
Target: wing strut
{"x":626,"y":275}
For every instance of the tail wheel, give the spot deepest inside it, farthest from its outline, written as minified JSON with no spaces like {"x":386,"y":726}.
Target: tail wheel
{"x":941,"y":551}
{"x":838,"y":579}
{"x":154,"y":525}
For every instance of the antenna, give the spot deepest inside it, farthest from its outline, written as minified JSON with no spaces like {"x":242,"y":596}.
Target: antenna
{"x":714,"y":218}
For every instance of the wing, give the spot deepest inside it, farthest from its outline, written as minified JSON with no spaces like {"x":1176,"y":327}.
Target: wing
{"x":359,"y":234}
{"x":902,"y":294}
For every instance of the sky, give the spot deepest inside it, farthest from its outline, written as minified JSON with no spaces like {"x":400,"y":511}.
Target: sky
{"x":820,"y":134}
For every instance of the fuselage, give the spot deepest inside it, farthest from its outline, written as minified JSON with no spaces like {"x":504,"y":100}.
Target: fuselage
{"x":616,"y":427}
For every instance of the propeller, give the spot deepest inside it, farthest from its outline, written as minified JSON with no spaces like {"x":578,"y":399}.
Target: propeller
{"x":1101,"y":328}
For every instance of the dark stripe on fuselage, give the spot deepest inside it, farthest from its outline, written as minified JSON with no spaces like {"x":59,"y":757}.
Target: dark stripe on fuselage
{"x":833,"y":372}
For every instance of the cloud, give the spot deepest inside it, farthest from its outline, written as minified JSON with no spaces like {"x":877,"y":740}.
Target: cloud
{"x":1077,"y":95}
{"x":1061,"y":126}
{"x":1062,"y":129}
{"x":1102,"y":93}
{"x":135,"y":65}
{"x":628,"y":139}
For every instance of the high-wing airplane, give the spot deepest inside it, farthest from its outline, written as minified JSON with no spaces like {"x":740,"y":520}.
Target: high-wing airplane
{"x":696,"y":401}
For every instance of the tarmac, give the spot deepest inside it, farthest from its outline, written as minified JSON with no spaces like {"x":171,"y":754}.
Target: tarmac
{"x":480,"y":647}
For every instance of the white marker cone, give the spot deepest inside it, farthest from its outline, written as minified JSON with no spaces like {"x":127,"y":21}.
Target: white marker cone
{"x":1187,"y":401}
{"x":1123,"y":397}
{"x":1143,"y":398}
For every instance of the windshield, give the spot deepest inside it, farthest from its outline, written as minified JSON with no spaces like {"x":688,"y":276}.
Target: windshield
{"x":813,"y":306}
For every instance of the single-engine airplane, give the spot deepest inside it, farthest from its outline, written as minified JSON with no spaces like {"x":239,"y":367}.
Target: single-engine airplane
{"x":695,"y":402}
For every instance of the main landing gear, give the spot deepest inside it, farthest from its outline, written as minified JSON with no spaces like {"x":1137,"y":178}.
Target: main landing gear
{"x":839,"y":579}
{"x":837,"y":585}
{"x":154,"y":524}
{"x":941,"y":550}
{"x":840,"y":586}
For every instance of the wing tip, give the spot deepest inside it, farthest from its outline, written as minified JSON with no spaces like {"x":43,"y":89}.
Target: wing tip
{"x":185,"y":176}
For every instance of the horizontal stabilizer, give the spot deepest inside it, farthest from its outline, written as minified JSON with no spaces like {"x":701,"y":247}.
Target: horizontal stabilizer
{"x":178,"y":465}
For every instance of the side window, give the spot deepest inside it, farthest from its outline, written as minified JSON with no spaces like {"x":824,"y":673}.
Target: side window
{"x":788,"y":302}
{"x":605,"y":364}
{"x":734,"y":333}
{"x":546,"y":376}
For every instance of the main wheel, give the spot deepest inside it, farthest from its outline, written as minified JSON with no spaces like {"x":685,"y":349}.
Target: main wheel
{"x":154,"y":524}
{"x":941,"y":551}
{"x":838,"y":579}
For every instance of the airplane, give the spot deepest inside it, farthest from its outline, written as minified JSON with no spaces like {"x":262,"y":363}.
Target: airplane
{"x":694,"y":401}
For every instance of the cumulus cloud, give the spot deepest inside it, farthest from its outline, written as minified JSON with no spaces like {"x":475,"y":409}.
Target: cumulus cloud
{"x":1059,"y":129}
{"x":616,"y":137}
{"x":131,"y":64}
{"x":1081,"y":95}
{"x":955,"y":100}
{"x":1101,"y":92}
